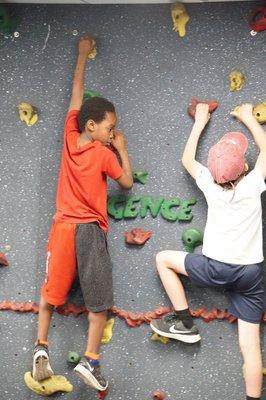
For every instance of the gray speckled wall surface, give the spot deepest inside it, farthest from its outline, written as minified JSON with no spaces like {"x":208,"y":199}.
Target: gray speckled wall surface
{"x":150,"y":74}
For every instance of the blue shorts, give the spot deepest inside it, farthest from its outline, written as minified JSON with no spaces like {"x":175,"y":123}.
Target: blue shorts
{"x":243,"y":283}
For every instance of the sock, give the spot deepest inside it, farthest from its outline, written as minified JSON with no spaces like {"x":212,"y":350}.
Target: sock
{"x":93,"y":358}
{"x":185,"y":317}
{"x":41,"y":342}
{"x":253,"y":398}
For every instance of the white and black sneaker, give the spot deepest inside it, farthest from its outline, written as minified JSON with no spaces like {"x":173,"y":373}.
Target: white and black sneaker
{"x":41,"y":367}
{"x":172,"y":327}
{"x":90,"y":372}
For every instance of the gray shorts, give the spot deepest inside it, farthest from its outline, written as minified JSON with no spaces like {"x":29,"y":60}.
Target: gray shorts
{"x":244,"y":284}
{"x":94,"y":267}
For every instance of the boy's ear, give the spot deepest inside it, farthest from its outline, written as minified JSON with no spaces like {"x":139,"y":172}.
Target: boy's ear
{"x":246,"y":167}
{"x":90,"y":125}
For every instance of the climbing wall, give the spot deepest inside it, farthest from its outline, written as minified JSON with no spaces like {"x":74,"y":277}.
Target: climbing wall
{"x":150,"y":74}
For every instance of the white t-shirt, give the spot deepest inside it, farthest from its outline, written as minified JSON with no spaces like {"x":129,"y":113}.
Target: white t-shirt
{"x":233,"y":232}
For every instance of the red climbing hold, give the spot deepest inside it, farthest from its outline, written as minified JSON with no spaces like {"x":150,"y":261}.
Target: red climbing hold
{"x":3,"y":260}
{"x":102,"y":394}
{"x":192,"y":107}
{"x":257,"y":19}
{"x":137,"y":236}
{"x":158,"y":395}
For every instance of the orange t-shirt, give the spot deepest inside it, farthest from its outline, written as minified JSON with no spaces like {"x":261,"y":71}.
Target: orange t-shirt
{"x":82,"y":187}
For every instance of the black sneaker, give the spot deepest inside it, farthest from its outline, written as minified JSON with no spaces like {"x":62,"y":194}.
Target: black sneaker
{"x":172,"y":327}
{"x":41,"y":367}
{"x":91,"y":374}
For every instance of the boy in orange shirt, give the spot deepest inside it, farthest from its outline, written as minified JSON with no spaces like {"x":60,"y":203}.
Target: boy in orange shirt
{"x":77,"y":240}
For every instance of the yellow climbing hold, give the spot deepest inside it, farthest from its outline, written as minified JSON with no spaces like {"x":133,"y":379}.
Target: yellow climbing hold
{"x":180,"y":18}
{"x":27,"y":113}
{"x":108,"y":331}
{"x":264,"y":371}
{"x":259,"y":112}
{"x":56,"y":383}
{"x":158,"y":338}
{"x":93,"y":54}
{"x":237,"y":80}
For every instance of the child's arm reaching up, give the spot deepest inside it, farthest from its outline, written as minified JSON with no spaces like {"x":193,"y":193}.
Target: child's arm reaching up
{"x":202,"y":117}
{"x":85,"y":46}
{"x":244,"y":114}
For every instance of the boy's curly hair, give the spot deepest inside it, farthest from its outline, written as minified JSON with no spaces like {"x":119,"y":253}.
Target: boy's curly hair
{"x":95,"y":109}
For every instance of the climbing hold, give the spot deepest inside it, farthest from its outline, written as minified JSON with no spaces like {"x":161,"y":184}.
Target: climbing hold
{"x":140,"y":176}
{"x":166,"y":211}
{"x":102,"y":394}
{"x":8,"y":21}
{"x":3,"y":260}
{"x":180,"y":18}
{"x":213,"y":104}
{"x":259,"y":112}
{"x":137,"y":236}
{"x":108,"y":331}
{"x":88,"y":94}
{"x":257,"y":20}
{"x":27,"y":113}
{"x":158,"y":395}
{"x":184,"y":213}
{"x":130,"y":210}
{"x":237,"y":80}
{"x":148,"y":203}
{"x":264,"y":371}
{"x":56,"y":383}
{"x":192,"y":238}
{"x":158,"y":338}
{"x":93,"y":53}
{"x":73,"y":357}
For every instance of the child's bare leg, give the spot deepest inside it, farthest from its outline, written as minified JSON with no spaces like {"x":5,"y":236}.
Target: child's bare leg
{"x":41,"y":366}
{"x":179,"y":324}
{"x":170,"y":263}
{"x":97,"y":323}
{"x":249,"y":341}
{"x":45,"y":315}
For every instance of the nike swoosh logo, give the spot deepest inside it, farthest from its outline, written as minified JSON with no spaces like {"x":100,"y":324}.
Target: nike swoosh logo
{"x":173,"y":330}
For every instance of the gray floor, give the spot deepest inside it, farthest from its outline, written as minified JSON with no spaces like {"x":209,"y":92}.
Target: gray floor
{"x":150,"y":74}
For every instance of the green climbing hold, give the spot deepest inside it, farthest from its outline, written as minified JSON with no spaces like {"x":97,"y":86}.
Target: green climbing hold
{"x":140,"y":176}
{"x":192,"y":238}
{"x":184,"y":213}
{"x":148,"y":203}
{"x":73,"y":357}
{"x":130,"y":210}
{"x":166,"y":211}
{"x":113,"y":203}
{"x":88,"y":94}
{"x":8,"y":21}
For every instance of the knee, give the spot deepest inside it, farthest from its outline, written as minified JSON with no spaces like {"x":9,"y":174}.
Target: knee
{"x":160,"y":259}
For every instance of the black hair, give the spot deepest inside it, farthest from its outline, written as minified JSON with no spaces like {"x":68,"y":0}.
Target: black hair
{"x":95,"y":109}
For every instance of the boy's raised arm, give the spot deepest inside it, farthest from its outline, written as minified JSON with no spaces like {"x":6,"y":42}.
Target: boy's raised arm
{"x":244,"y":114}
{"x":202,"y":117}
{"x":85,"y":46}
